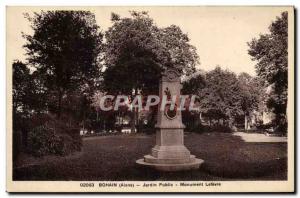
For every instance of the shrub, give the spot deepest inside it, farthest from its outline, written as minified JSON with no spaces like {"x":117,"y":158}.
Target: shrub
{"x":195,"y":128}
{"x":40,"y":141}
{"x":53,"y":137}
{"x":208,"y":129}
{"x":221,"y":129}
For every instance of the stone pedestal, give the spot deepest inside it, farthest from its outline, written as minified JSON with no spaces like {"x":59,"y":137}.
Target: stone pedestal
{"x":169,"y":153}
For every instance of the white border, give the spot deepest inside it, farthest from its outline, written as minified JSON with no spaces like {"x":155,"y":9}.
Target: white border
{"x":4,"y":3}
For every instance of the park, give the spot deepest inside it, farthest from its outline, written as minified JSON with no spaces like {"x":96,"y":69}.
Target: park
{"x":112,"y":158}
{"x":79,"y":96}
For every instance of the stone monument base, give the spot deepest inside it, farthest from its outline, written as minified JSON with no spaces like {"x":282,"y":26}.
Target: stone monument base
{"x":192,"y":165}
{"x":163,"y":163}
{"x":172,"y":155}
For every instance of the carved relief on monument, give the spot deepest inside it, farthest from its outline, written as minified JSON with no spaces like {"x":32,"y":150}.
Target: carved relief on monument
{"x":171,"y":75}
{"x":170,"y":113}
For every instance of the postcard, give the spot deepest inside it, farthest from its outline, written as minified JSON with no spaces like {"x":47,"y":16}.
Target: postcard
{"x":150,"y":99}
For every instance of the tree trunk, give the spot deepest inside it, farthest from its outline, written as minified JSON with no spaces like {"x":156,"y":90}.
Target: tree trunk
{"x":104,"y":127}
{"x":200,"y":117}
{"x":122,"y":120}
{"x":133,"y":121}
{"x":137,"y":120}
{"x":59,"y":102}
{"x":246,"y":123}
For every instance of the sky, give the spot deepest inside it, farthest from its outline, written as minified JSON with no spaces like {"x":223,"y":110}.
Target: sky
{"x":220,"y":34}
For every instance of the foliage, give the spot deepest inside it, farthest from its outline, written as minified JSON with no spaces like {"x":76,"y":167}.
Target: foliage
{"x":249,"y":94}
{"x":135,"y":46}
{"x":167,"y":47}
{"x":193,"y":84}
{"x":42,"y":141}
{"x":220,"y":99}
{"x":28,"y":94}
{"x":190,"y":120}
{"x":26,"y":100}
{"x":216,"y":128}
{"x":252,"y":95}
{"x":65,"y":52}
{"x":51,"y":136}
{"x":21,"y":86}
{"x":223,"y":95}
{"x":127,"y":75}
{"x":271,"y":53}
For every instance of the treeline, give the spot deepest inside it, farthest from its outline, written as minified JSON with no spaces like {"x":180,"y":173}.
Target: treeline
{"x":225,"y":100}
{"x":51,"y":91}
{"x":226,"y":97}
{"x":55,"y":89}
{"x":70,"y":60}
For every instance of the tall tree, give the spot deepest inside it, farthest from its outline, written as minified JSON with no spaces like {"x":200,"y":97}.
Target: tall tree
{"x":251,"y":91}
{"x":167,"y":47}
{"x":27,"y":92}
{"x":26,"y":101}
{"x":270,"y":52}
{"x":193,"y":85}
{"x":221,"y":99}
{"x":135,"y":46}
{"x":22,"y":86}
{"x":65,"y":51}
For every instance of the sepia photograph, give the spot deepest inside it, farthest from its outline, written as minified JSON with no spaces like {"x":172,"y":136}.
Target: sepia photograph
{"x":150,"y":99}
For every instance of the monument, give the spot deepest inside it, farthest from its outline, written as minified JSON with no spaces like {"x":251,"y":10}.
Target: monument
{"x":169,"y":153}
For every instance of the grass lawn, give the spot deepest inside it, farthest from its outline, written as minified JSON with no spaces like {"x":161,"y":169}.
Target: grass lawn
{"x":227,"y":157}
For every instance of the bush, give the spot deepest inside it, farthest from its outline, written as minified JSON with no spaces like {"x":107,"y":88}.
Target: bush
{"x":148,"y":128}
{"x":264,"y":127}
{"x":53,"y":137}
{"x":198,"y":128}
{"x":220,"y":128}
{"x":40,"y":141}
{"x":208,"y":129}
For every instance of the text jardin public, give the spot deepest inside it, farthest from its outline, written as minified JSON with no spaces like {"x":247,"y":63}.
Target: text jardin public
{"x":160,"y":184}
{"x":178,"y":103}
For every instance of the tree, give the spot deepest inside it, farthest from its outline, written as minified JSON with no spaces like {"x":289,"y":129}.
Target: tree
{"x":65,"y":52}
{"x":218,"y":91}
{"x":251,"y":91}
{"x":26,"y":101}
{"x":193,"y":85}
{"x":21,"y":87}
{"x":223,"y":95}
{"x":20,"y":91}
{"x":270,"y":52}
{"x":167,"y":47}
{"x":220,"y":99}
{"x":135,"y":46}
{"x":27,"y":94}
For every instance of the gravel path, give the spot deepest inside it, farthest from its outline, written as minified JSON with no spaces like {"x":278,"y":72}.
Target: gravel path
{"x":259,"y":137}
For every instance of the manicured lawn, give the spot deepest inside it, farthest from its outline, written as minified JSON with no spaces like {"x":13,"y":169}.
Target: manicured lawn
{"x":227,"y":157}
